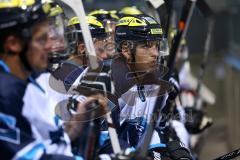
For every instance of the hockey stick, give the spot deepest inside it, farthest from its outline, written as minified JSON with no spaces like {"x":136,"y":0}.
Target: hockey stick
{"x":93,"y":134}
{"x":153,"y":6}
{"x":207,"y":12}
{"x":156,"y":3}
{"x":205,"y":60}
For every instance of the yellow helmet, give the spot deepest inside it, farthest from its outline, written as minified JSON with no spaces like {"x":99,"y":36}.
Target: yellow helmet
{"x":55,"y":9}
{"x":92,"y":21}
{"x":74,"y":34}
{"x":133,"y":10}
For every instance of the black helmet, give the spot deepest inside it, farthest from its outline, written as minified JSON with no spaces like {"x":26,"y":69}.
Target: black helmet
{"x":22,"y":13}
{"x":108,"y":18}
{"x":103,"y":15}
{"x":138,"y":28}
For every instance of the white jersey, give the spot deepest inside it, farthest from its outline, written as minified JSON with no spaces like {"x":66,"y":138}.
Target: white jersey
{"x":132,"y":106}
{"x":135,"y":111}
{"x":41,"y":105}
{"x":39,"y":110}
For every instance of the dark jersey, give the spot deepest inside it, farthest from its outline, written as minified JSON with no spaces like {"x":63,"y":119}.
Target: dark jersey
{"x":16,"y":138}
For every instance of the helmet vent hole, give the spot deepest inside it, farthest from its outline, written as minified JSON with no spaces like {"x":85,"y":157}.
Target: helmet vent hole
{"x":139,"y":21}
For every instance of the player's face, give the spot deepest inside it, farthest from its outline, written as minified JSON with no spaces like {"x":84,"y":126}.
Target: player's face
{"x":39,"y":47}
{"x":146,"y":55}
